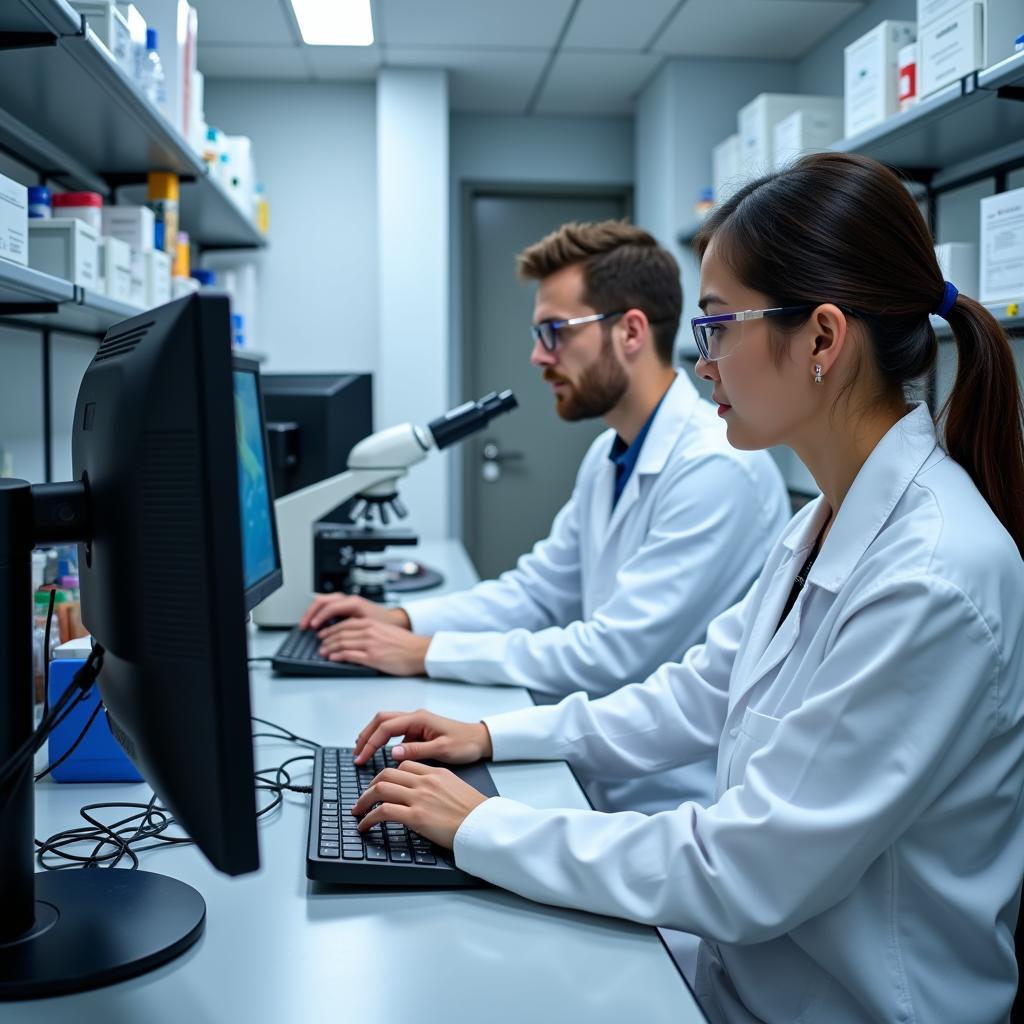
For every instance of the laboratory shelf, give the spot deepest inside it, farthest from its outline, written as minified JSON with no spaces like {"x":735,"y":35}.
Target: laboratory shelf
{"x":73,"y":95}
{"x":32,"y":299}
{"x":45,"y":17}
{"x":975,"y":115}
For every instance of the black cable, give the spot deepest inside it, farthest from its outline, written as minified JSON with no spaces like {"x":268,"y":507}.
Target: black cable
{"x":46,"y":653}
{"x":67,"y":753}
{"x":80,"y":685}
{"x":147,"y":828}
{"x":285,"y":734}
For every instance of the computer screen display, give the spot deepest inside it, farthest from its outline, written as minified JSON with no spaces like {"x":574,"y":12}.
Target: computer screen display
{"x":259,"y":548}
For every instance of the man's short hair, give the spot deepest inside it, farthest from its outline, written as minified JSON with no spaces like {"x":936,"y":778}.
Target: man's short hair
{"x":623,"y":268}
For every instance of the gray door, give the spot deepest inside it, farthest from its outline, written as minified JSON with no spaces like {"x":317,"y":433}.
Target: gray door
{"x":520,"y":471}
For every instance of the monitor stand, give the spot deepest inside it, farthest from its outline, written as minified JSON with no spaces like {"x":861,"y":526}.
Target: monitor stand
{"x":68,"y":930}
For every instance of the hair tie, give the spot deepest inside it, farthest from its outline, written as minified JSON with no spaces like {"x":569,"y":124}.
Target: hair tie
{"x":949,"y":295}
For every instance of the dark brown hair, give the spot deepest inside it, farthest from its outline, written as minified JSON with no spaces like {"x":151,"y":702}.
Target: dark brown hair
{"x":842,"y":228}
{"x":623,"y":268}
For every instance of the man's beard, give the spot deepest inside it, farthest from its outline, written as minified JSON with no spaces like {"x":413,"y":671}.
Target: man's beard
{"x":600,"y":387}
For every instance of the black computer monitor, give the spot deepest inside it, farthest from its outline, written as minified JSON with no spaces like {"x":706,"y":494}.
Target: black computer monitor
{"x":174,"y":544}
{"x":314,"y":420}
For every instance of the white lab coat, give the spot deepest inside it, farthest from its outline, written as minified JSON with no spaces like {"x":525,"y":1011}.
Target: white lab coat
{"x":611,"y":595}
{"x":863,"y":858}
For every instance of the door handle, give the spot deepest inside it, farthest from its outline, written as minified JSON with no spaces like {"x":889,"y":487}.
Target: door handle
{"x":493,"y":458}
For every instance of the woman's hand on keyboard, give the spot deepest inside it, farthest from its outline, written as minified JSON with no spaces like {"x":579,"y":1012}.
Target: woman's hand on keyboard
{"x":431,"y":801}
{"x":427,"y":736}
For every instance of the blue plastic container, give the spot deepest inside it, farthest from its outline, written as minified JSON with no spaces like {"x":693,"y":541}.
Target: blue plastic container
{"x":99,"y":757}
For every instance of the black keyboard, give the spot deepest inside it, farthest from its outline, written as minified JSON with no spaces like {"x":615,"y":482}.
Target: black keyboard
{"x":387,"y":854}
{"x":300,"y":655}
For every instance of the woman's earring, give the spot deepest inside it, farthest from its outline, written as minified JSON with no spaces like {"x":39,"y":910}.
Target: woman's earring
{"x":817,"y":373}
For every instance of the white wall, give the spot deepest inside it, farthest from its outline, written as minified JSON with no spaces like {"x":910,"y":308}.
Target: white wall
{"x":821,"y":70}
{"x":687,"y":109}
{"x":315,"y":151}
{"x":413,"y":266}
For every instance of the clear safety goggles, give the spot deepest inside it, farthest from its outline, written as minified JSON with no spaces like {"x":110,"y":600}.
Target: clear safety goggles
{"x":720,"y":335}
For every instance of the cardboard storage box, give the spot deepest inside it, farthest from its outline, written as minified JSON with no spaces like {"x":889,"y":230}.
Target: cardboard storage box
{"x":13,"y":221}
{"x":871,"y":69}
{"x":66,"y":248}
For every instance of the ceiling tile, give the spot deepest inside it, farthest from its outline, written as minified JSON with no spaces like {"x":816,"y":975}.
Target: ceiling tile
{"x":283,"y":62}
{"x":458,"y":23}
{"x":595,"y":83}
{"x":344,"y":63}
{"x":614,"y":25}
{"x":244,"y":21}
{"x":479,"y":80}
{"x":765,"y":29}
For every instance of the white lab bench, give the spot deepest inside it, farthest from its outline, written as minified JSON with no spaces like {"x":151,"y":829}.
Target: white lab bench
{"x":278,"y":948}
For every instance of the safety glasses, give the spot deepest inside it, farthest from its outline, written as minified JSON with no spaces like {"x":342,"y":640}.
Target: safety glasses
{"x":719,"y":336}
{"x":546,"y":332}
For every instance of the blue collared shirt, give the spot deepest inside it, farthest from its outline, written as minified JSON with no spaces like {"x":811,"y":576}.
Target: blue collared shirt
{"x":625,"y":456}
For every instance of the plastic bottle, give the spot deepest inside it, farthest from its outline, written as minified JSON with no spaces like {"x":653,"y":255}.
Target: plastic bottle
{"x":162,"y":194}
{"x":40,"y":206}
{"x":154,"y":84}
{"x":182,"y":257}
{"x":705,"y":203}
{"x":262,"y":211}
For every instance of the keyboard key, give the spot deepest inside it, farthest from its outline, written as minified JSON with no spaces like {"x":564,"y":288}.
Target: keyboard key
{"x":401,"y":856}
{"x":376,"y":853}
{"x":330,"y":851}
{"x":424,"y":858}
{"x":330,"y":795}
{"x":352,"y":853}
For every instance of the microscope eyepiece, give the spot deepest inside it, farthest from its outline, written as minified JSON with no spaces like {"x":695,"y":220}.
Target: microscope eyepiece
{"x":470,"y":417}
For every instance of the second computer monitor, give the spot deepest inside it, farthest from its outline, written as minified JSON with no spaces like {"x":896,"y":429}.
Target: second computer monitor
{"x":314,"y":420}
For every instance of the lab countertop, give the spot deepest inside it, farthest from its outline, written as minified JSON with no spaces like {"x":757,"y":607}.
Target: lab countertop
{"x":278,"y":947}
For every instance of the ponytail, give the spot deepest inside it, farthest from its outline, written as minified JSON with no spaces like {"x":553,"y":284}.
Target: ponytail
{"x":983,"y":416}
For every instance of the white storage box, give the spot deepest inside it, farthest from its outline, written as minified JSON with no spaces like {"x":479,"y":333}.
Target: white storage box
{"x":1003,"y":21}
{"x":65,"y":247}
{"x":140,"y":285}
{"x":131,"y":224}
{"x":757,"y":122}
{"x":13,"y":221}
{"x":726,"y":177}
{"x":871,"y":92}
{"x":958,"y":262}
{"x":951,"y":48}
{"x":807,"y":131}
{"x":115,"y":259}
{"x":111,"y":26}
{"x":1002,"y":247}
{"x":158,"y":278}
{"x":137,"y":32}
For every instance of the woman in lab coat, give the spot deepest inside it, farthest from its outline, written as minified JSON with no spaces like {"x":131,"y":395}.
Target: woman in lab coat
{"x":862,"y":860}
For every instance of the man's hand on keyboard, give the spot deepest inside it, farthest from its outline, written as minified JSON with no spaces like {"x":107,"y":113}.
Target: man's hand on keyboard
{"x":427,"y":737}
{"x":431,"y":801}
{"x":347,"y":606}
{"x":379,"y":645}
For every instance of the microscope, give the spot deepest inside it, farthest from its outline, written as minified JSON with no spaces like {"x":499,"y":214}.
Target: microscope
{"x":328,"y":557}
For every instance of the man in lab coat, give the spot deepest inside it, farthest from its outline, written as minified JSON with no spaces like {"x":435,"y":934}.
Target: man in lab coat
{"x":667,"y":525}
